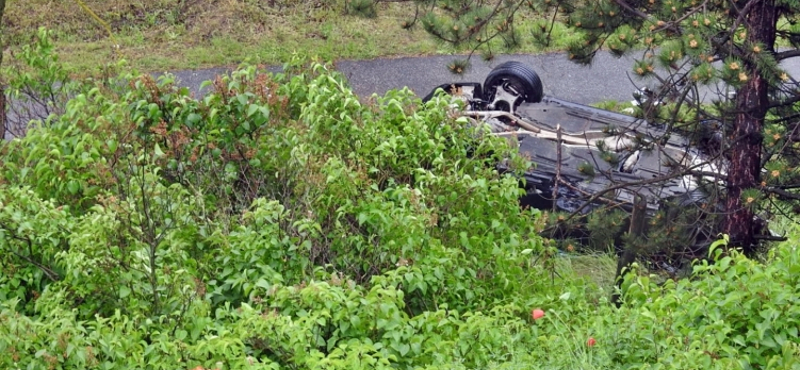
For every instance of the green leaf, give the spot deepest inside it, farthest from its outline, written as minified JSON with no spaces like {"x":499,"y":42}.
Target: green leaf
{"x":242,"y":99}
{"x":262,"y":283}
{"x":157,"y":150}
{"x":73,"y":187}
{"x":192,"y":119}
{"x":124,"y":291}
{"x":251,"y":110}
{"x":402,"y":348}
{"x":181,"y":334}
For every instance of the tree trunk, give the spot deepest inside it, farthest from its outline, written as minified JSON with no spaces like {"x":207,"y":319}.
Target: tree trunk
{"x":2,"y":87}
{"x":635,"y":232}
{"x":2,"y":111}
{"x":751,"y":109}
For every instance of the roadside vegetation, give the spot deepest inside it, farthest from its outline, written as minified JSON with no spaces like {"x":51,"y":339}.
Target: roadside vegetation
{"x":278,"y":222}
{"x":161,"y":35}
{"x":158,"y":35}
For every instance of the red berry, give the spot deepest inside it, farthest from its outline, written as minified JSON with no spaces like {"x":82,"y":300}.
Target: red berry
{"x":591,"y":342}
{"x":537,"y":314}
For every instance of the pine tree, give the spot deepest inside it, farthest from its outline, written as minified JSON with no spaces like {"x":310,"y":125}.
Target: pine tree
{"x":684,"y":44}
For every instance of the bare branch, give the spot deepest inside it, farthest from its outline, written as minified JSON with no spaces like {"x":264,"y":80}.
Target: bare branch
{"x":633,"y":11}
{"x":787,"y":54}
{"x":781,"y":193}
{"x":52,"y":275}
{"x":771,"y":238}
{"x":783,"y":103}
{"x":742,"y":13}
{"x":600,"y":194}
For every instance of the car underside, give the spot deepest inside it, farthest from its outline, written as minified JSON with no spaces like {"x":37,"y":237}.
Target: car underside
{"x":587,"y":158}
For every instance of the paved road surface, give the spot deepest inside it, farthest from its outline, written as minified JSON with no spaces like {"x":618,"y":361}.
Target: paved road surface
{"x":607,"y":78}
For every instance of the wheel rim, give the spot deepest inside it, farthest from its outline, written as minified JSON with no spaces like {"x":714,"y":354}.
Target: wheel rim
{"x":507,"y":94}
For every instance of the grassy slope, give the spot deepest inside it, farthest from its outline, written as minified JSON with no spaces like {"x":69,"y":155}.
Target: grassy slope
{"x":157,"y":35}
{"x":172,"y":34}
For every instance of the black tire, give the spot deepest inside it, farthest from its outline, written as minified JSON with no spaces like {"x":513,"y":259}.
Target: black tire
{"x":521,"y":77}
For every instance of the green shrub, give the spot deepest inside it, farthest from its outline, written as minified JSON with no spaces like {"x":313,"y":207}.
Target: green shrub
{"x":150,"y":214}
{"x":280,"y":222}
{"x":737,"y":311}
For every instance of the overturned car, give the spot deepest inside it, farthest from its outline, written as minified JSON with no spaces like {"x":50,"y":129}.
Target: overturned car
{"x":587,"y":158}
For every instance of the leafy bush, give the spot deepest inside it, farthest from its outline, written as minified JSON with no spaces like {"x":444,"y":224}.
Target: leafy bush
{"x":37,"y":85}
{"x":736,"y":311}
{"x":280,"y":222}
{"x":159,"y":210}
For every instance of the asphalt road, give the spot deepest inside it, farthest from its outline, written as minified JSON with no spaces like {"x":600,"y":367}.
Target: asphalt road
{"x":607,"y":78}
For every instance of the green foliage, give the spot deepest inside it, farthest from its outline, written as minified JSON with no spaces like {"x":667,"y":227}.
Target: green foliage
{"x":362,"y":8}
{"x":737,"y":314}
{"x":156,"y":209}
{"x":37,"y":85}
{"x":167,"y":35}
{"x":33,"y":232}
{"x":736,"y":311}
{"x":280,"y":222}
{"x":41,"y":73}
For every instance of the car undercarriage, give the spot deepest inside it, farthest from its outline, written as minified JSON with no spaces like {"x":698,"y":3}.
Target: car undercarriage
{"x":586,"y":158}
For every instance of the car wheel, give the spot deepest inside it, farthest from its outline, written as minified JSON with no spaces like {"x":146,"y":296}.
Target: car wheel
{"x":510,"y":84}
